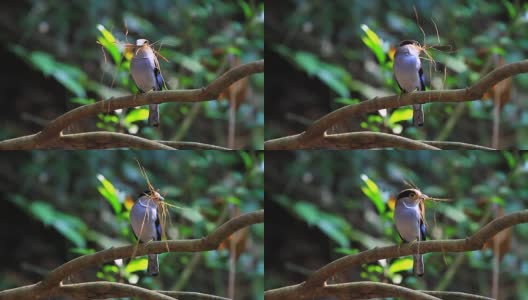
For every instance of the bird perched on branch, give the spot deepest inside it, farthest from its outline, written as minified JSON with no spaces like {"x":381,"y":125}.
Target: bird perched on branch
{"x":145,"y":222}
{"x":409,"y":74}
{"x":146,"y":73}
{"x":409,"y":216}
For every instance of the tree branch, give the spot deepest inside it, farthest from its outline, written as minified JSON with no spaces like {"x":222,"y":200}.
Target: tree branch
{"x":105,"y":140}
{"x":51,"y":132}
{"x":474,"y":242}
{"x":315,"y":132}
{"x":210,"y":242}
{"x":98,"y":290}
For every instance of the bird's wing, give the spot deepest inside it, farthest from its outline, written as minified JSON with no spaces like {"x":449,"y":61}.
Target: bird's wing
{"x":422,"y":79}
{"x":422,"y":231}
{"x":158,"y":229}
{"x":159,"y":79}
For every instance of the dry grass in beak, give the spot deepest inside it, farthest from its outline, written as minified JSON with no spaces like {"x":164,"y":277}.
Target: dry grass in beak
{"x":161,"y":206}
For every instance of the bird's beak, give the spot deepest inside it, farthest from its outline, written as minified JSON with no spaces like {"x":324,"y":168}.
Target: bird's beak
{"x":425,"y":197}
{"x":161,"y":198}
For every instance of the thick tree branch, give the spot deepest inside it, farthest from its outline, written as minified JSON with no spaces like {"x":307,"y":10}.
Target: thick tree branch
{"x":210,"y":242}
{"x":316,"y":131}
{"x":192,"y":145}
{"x":52,"y":131}
{"x":103,"y":290}
{"x":456,"y":295}
{"x":474,"y":242}
{"x":106,"y":140}
{"x":369,"y":140}
{"x":456,"y":145}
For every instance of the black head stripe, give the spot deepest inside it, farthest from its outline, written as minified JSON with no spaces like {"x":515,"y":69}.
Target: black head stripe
{"x":407,"y":42}
{"x":406,"y":193}
{"x":145,"y":192}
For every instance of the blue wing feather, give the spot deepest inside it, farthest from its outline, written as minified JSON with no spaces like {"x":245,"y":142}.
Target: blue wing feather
{"x":159,"y":79}
{"x":422,"y":231}
{"x":158,"y":230}
{"x":422,"y":79}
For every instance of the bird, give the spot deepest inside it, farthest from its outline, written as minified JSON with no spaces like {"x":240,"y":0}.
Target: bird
{"x":145,"y":70}
{"x":146,"y":226}
{"x":409,"y":217}
{"x":409,"y":74}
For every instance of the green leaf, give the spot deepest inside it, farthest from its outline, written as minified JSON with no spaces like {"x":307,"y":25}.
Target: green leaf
{"x":346,"y":251}
{"x":233,"y":200}
{"x":307,"y":211}
{"x":69,"y":226}
{"x":82,"y":251}
{"x":42,"y":61}
{"x":371,"y":190}
{"x":401,"y":114}
{"x":333,"y":82}
{"x":372,"y":40}
{"x":109,"y":43}
{"x":347,"y":101}
{"x":307,"y":61}
{"x":509,"y":158}
{"x":135,"y":265}
{"x":68,"y":77}
{"x":108,"y":191}
{"x":82,"y":100}
{"x":134,"y":115}
{"x":401,"y":264}
{"x":246,"y":157}
{"x":246,"y":9}
{"x":192,"y":64}
{"x":332,"y":231}
{"x":512,"y":12}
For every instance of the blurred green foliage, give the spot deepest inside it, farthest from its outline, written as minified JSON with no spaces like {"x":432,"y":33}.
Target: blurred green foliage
{"x":82,"y":46}
{"x":340,"y":203}
{"x":349,"y":47}
{"x":86,"y":198}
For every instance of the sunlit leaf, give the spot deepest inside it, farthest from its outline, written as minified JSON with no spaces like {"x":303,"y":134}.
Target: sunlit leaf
{"x":401,"y":264}
{"x":371,"y":190}
{"x":372,"y":40}
{"x":139,"y":114}
{"x":135,"y":265}
{"x":108,"y":191}
{"x":400,"y":114}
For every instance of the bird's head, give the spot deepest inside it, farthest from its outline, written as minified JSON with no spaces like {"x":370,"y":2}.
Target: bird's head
{"x":152,"y":195}
{"x":412,"y":196}
{"x":409,"y":47}
{"x":142,"y":42}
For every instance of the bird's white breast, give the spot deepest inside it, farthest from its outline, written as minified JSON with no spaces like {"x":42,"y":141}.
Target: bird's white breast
{"x":407,"y":219}
{"x":406,"y":67}
{"x":142,"y":218}
{"x":142,"y":69}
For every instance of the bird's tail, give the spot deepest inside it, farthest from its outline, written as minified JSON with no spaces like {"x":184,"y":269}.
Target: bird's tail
{"x":418,"y":115}
{"x":153,"y":265}
{"x":153,"y":118}
{"x":418,"y":265}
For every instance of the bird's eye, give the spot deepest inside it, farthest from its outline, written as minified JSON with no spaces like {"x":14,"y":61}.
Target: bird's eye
{"x":412,"y":195}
